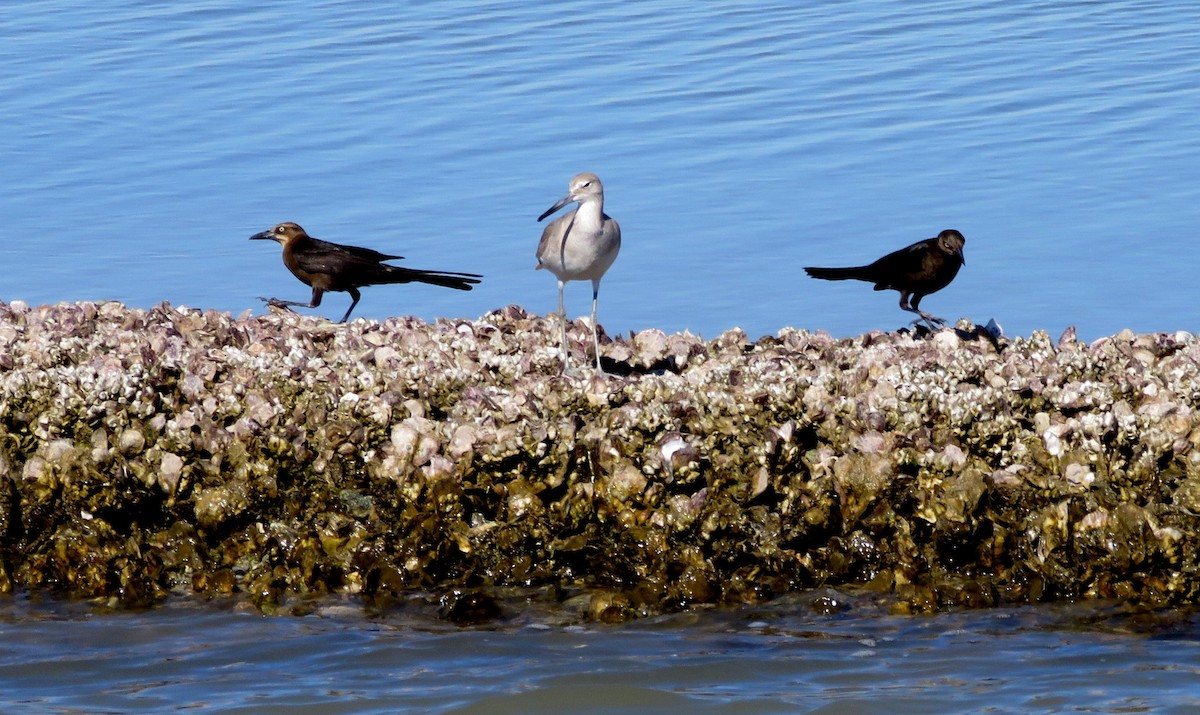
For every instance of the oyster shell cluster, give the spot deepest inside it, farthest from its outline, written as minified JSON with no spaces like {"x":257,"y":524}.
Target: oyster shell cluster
{"x":283,"y":458}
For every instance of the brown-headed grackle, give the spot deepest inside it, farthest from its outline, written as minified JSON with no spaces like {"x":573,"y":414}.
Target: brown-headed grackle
{"x":579,"y":246}
{"x":916,"y":271}
{"x":331,"y":266}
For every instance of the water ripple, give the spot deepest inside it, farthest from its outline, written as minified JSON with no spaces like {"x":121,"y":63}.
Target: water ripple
{"x":756,"y":137}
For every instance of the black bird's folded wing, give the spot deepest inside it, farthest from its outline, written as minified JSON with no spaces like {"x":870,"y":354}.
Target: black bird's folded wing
{"x":366,"y":254}
{"x":325,"y":258}
{"x":911,"y":264}
{"x":350,"y":266}
{"x":894,"y":270}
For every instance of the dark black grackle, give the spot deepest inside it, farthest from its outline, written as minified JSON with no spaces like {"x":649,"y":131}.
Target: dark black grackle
{"x":331,"y":266}
{"x":916,"y":271}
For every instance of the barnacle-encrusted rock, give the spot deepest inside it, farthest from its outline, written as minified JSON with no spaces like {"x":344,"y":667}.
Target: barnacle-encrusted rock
{"x":285,"y":458}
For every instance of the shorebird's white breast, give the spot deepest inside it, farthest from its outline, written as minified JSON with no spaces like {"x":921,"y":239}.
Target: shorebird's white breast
{"x":582,"y":245}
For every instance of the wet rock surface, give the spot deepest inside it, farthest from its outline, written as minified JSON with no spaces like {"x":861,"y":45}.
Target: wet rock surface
{"x":282,"y":458}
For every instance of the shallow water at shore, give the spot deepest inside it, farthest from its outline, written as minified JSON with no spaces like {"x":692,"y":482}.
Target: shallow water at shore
{"x":776,"y":658}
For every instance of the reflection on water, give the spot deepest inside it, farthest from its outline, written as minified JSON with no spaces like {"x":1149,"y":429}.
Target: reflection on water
{"x":780,"y":657}
{"x":143,"y":144}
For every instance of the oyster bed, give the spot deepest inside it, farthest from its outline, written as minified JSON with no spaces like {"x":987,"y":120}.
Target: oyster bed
{"x":283,"y":458}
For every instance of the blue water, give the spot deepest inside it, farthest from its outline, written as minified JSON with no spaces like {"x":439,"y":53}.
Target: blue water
{"x":143,"y":143}
{"x":779,"y":658}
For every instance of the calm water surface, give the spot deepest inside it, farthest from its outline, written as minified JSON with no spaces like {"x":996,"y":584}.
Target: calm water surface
{"x":779,"y":658}
{"x":144,"y":142}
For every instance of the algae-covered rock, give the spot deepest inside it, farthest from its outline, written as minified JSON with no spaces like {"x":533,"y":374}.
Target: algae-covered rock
{"x":283,"y":458}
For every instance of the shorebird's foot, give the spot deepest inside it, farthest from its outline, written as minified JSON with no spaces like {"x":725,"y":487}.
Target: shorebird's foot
{"x":565,"y":369}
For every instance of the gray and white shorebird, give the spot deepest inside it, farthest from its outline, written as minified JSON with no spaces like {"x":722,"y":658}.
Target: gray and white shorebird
{"x":580,"y":246}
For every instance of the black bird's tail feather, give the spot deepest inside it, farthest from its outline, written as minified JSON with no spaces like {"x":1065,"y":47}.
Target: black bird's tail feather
{"x":446,"y":279}
{"x":839,"y":274}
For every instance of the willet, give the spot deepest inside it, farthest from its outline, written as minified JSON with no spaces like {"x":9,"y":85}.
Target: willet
{"x":580,"y":246}
{"x":324,"y":266}
{"x":916,"y":271}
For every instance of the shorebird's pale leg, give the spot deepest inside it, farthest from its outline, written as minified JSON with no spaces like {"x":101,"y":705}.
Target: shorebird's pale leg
{"x":595,"y":335}
{"x":562,"y":314}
